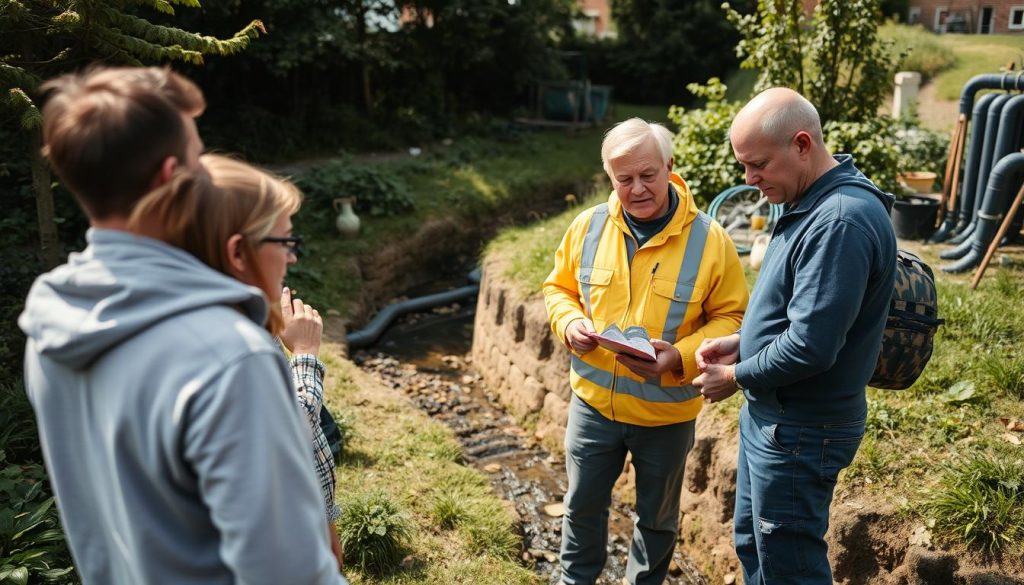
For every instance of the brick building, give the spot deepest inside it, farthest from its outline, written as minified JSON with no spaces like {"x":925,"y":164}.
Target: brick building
{"x":594,"y":18}
{"x":968,"y":16}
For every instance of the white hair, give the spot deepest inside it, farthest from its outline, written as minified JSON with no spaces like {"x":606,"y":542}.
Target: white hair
{"x":625,"y":137}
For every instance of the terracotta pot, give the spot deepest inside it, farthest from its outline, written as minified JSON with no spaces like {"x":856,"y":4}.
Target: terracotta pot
{"x":919,"y":181}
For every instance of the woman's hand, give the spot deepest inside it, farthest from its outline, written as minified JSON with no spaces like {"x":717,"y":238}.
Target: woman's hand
{"x":303,"y":326}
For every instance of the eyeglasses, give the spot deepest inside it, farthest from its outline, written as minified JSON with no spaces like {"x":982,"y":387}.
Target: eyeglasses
{"x":293,"y":243}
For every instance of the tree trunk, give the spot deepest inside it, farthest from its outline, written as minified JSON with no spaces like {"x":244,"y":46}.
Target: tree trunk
{"x":49,"y":243}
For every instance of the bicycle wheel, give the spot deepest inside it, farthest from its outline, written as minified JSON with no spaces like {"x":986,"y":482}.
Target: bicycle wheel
{"x":733,"y":209}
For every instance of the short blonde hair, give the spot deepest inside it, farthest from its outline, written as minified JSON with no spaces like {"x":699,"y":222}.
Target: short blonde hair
{"x":106,"y":132}
{"x":198,"y":211}
{"x":626,"y":137}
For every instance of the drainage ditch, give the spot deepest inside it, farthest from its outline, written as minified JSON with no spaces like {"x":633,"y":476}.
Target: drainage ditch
{"x":427,"y":358}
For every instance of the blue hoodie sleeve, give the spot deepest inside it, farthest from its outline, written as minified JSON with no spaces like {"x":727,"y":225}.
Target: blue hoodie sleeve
{"x":247,"y":445}
{"x":831,"y":268}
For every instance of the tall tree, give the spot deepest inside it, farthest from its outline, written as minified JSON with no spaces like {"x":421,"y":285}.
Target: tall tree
{"x":42,"y":38}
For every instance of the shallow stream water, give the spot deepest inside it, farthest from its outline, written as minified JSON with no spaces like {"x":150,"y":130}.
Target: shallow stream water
{"x":427,"y":358}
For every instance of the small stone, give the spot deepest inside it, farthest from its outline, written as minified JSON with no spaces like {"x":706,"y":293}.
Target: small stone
{"x":550,"y":556}
{"x":674,"y":569}
{"x":555,"y":510}
{"x":921,"y":537}
{"x":408,"y":561}
{"x":525,"y":556}
{"x":536,"y":553}
{"x":729,"y":579}
{"x":492,"y":467}
{"x":467,"y":379}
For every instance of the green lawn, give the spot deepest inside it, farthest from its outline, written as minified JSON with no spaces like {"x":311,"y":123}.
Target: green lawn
{"x":977,"y":54}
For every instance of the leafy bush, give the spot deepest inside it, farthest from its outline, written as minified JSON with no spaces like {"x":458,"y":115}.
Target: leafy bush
{"x":377,"y":193}
{"x":873,"y":153}
{"x":373,"y":530}
{"x":703,"y":155}
{"x":32,"y":547}
{"x":18,"y":437}
{"x":881,"y":146}
{"x":921,"y":49}
{"x":980,"y":500}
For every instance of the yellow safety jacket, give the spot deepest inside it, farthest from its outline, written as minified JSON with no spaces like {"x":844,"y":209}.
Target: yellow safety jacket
{"x":684,"y":285}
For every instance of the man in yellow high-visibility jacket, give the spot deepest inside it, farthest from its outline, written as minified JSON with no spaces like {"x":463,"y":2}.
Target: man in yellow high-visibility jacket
{"x":649,"y":258}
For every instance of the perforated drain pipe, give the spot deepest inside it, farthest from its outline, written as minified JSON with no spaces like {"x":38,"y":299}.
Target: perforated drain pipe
{"x":368,"y":335}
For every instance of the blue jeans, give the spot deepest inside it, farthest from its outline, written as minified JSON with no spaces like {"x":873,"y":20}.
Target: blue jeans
{"x":595,"y":450}
{"x":785,"y":476}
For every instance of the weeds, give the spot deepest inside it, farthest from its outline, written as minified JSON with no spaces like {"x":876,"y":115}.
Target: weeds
{"x":1006,"y":372}
{"x":32,"y":547}
{"x":374,"y":532}
{"x":981,"y":501}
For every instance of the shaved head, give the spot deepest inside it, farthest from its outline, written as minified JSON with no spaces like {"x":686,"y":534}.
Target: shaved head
{"x":777,"y":139}
{"x":778,"y":114}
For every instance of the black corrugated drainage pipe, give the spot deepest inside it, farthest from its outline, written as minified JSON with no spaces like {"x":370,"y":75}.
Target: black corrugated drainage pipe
{"x":1004,"y":81}
{"x":957,"y":221}
{"x":977,"y":188}
{"x":1002,"y":187}
{"x":366,"y":336}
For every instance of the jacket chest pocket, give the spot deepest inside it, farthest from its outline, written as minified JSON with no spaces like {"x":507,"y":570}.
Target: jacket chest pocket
{"x":670,"y":305}
{"x":594,"y":284}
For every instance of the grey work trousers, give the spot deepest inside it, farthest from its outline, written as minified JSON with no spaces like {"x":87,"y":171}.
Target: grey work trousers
{"x":596,"y":450}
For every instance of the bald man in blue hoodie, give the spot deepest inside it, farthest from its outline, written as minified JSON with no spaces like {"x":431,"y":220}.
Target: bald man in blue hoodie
{"x":809,"y":341}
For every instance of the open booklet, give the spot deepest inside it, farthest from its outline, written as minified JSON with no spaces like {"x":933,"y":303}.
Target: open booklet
{"x":634,"y":341}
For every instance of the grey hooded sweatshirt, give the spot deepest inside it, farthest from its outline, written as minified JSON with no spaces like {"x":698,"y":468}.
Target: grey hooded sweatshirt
{"x":168,"y":422}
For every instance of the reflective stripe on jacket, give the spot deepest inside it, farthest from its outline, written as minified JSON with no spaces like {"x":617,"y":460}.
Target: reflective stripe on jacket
{"x":682,"y":286}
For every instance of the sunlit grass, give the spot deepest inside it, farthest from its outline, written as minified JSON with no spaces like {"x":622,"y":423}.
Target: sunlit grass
{"x":459,"y":531}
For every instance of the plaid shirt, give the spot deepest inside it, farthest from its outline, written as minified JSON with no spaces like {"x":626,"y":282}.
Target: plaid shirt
{"x":308,"y":377}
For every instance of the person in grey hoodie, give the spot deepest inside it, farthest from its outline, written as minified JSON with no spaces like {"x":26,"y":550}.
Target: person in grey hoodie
{"x":809,"y":341}
{"x":165,"y":409}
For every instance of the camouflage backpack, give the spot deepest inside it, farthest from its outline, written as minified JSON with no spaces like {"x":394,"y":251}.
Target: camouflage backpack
{"x":913,"y":320}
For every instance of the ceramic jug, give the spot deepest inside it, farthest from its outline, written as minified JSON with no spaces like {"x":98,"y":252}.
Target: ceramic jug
{"x":758,"y":250}
{"x":347,"y":221}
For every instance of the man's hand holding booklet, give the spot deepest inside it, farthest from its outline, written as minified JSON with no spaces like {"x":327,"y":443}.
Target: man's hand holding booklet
{"x":633,"y":341}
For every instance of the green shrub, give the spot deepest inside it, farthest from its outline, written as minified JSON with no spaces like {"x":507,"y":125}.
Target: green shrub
{"x":378,"y":193}
{"x":32,"y":547}
{"x":374,"y":531}
{"x":18,"y":437}
{"x":872,"y":149}
{"x":703,"y":155}
{"x":882,"y":147}
{"x":980,"y":501}
{"x":922,"y":50}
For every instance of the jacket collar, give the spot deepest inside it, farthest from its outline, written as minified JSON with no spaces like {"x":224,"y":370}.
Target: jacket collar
{"x":685,"y":213}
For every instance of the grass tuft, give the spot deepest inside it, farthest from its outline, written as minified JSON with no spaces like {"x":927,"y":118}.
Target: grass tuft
{"x":448,"y":510}
{"x":980,"y":501}
{"x":1006,"y":373}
